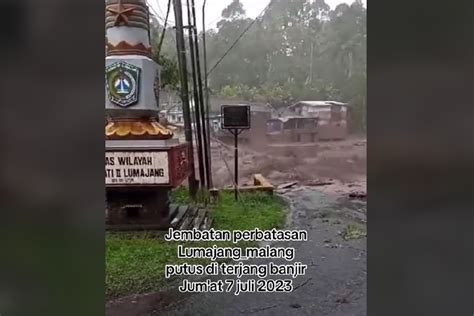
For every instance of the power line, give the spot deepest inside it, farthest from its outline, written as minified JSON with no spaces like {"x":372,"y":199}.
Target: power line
{"x":154,"y":13}
{"x":240,"y":36}
{"x":164,"y":27}
{"x":215,"y":20}
{"x":153,"y":10}
{"x":158,"y":6}
{"x":159,"y":17}
{"x":161,"y":21}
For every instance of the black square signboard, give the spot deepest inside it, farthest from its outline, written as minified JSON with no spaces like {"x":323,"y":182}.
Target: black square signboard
{"x":235,"y":116}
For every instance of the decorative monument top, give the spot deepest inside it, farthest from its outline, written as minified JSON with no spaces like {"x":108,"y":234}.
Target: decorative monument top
{"x":132,"y":78}
{"x":127,"y":27}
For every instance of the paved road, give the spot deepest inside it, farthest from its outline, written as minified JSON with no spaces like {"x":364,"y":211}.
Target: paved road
{"x":335,"y":282}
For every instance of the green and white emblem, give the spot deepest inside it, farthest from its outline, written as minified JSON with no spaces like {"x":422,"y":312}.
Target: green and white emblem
{"x":123,"y":81}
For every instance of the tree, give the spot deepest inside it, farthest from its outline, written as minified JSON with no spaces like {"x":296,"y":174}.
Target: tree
{"x":233,"y":11}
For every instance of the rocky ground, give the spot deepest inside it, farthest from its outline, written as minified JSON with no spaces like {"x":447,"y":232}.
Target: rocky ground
{"x":326,"y":193}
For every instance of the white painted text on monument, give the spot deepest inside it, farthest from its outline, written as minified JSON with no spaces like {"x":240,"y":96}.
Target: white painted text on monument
{"x":136,"y":168}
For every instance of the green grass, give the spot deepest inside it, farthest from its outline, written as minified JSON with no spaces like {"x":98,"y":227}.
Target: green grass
{"x":354,"y":231}
{"x":180,"y":196}
{"x":257,"y":210}
{"x":135,"y":263}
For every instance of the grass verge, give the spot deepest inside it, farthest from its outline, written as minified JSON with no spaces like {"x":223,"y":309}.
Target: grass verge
{"x":135,"y":263}
{"x":354,"y":231}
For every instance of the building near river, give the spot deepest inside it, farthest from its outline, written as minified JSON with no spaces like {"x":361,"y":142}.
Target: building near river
{"x":332,"y":117}
{"x":173,"y":114}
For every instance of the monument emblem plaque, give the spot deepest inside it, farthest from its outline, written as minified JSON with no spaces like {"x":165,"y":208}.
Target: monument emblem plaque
{"x":122,"y":81}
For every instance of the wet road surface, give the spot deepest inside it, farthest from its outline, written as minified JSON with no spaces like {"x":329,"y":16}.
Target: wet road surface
{"x":335,"y":281}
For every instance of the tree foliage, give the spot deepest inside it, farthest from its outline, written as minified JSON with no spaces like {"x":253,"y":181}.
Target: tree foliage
{"x":298,"y":50}
{"x":166,"y":58}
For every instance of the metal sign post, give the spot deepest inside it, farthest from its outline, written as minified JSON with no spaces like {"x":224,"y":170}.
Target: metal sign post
{"x":236,"y":119}
{"x":236,"y":132}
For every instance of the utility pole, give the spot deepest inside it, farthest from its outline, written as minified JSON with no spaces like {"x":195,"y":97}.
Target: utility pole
{"x":183,"y":70}
{"x":207,"y":157}
{"x":206,"y":89}
{"x":204,"y":51}
{"x":312,"y":62}
{"x":197,"y":107}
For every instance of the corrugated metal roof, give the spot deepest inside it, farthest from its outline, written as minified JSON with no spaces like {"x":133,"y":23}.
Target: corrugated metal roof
{"x":261,"y":107}
{"x":321,"y":103}
{"x":290,"y":117}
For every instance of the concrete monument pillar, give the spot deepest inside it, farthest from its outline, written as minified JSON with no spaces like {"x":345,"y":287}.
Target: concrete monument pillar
{"x":143,"y":160}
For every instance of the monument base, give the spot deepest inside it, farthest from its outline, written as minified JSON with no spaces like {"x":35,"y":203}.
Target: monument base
{"x":137,"y":207}
{"x":139,"y":176}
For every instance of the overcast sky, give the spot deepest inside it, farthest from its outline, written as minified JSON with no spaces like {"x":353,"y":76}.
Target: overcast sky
{"x":214,"y":9}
